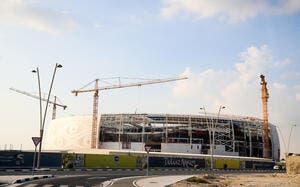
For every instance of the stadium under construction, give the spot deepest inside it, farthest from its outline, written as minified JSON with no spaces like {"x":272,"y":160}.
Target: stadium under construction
{"x":176,"y":140}
{"x":166,"y":133}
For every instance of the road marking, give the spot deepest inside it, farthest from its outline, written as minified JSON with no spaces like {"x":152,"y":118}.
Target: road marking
{"x":48,"y":185}
{"x":107,"y":183}
{"x":31,"y":185}
{"x":96,"y":178}
{"x":63,"y":185}
{"x":134,"y":183}
{"x":112,"y":181}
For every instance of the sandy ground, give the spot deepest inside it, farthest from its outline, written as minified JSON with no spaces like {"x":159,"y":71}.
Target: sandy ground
{"x":253,"y":180}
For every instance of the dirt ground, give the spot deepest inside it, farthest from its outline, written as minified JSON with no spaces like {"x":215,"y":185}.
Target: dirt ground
{"x":253,"y":180}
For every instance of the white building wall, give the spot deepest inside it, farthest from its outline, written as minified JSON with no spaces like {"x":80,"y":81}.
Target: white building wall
{"x":134,"y":146}
{"x":220,"y":150}
{"x":68,"y":133}
{"x":110,"y":145}
{"x":137,"y":146}
{"x":181,"y":148}
{"x":275,"y":142}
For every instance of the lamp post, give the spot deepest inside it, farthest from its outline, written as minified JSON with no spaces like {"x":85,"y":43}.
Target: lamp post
{"x":41,"y":114}
{"x":209,"y":126}
{"x":42,"y":122}
{"x":212,"y":141}
{"x":284,"y":144}
{"x":214,"y":130}
{"x":288,"y":148}
{"x":40,"y":96}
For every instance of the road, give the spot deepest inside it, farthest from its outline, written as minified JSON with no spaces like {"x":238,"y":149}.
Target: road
{"x":95,"y":178}
{"x":90,"y":180}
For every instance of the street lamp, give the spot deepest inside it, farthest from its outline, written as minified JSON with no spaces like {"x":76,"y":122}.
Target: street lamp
{"x":40,"y":96}
{"x":209,"y":132}
{"x":41,"y":113}
{"x":212,"y":142}
{"x":288,"y":149}
{"x":42,"y":122}
{"x":214,"y":129}
{"x":284,"y":144}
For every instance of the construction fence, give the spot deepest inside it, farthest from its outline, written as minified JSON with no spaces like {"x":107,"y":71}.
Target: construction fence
{"x":19,"y":159}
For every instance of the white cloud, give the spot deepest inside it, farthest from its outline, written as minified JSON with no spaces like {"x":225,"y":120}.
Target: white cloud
{"x":279,"y":86}
{"x":254,"y":61}
{"x":297,"y":87}
{"x":99,"y":26}
{"x":236,"y":88}
{"x":283,"y":63}
{"x":233,"y":10}
{"x":290,"y":75}
{"x":298,"y":96}
{"x":22,"y":13}
{"x":239,"y":90}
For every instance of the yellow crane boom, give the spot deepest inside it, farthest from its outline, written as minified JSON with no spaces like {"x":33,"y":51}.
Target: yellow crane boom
{"x":54,"y":103}
{"x":265,"y":97}
{"x":96,"y":99}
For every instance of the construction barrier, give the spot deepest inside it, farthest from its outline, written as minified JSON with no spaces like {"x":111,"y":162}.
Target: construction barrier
{"x":176,"y":162}
{"x":20,"y":159}
{"x":259,"y":165}
{"x":110,"y":161}
{"x":227,"y":164}
{"x":23,"y":159}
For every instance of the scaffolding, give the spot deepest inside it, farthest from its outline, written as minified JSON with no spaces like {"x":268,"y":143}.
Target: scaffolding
{"x":243,"y":135}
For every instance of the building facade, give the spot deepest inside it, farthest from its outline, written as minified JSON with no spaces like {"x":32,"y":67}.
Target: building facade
{"x":192,"y":134}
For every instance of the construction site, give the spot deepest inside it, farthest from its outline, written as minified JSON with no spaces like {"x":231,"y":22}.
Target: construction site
{"x":240,"y":138}
{"x":234,"y":136}
{"x":174,"y":133}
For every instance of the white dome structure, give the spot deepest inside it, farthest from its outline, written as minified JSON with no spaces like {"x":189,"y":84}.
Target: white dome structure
{"x":69,"y":133}
{"x":190,"y":134}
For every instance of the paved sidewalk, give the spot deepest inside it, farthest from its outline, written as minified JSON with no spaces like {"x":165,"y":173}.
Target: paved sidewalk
{"x":161,"y":181}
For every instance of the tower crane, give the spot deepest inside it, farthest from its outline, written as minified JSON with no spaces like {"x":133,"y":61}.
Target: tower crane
{"x":116,"y":86}
{"x":54,"y":103}
{"x":265,"y":97}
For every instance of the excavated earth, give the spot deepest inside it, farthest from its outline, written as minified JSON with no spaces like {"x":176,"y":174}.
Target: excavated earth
{"x":260,"y":180}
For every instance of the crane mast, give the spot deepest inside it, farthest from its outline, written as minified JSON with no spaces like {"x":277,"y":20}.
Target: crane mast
{"x":95,"y":116}
{"x":265,"y":97}
{"x":94,"y":135}
{"x":54,"y":103}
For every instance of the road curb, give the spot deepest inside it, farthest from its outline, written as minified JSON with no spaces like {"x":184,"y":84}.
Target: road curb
{"x":27,"y":179}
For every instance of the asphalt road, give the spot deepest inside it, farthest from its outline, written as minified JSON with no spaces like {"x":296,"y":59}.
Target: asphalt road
{"x":95,"y":178}
{"x":90,"y":180}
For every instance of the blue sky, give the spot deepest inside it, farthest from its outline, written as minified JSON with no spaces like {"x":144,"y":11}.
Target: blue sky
{"x":222,"y":46}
